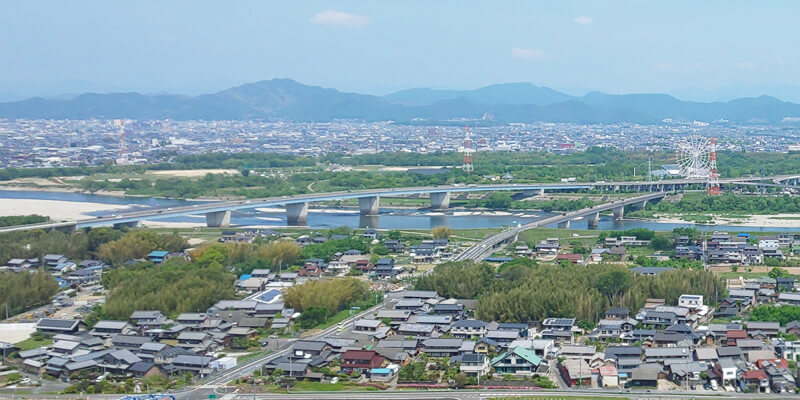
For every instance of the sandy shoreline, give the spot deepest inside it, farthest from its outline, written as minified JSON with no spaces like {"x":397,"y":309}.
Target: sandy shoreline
{"x":774,"y":220}
{"x":55,"y":209}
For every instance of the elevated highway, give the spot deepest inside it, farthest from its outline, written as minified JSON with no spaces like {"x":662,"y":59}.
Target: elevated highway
{"x":482,"y":249}
{"x":218,"y":213}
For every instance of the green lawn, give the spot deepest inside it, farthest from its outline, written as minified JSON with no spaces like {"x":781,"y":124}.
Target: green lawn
{"x":31,"y":343}
{"x":252,"y":356}
{"x":742,"y":273}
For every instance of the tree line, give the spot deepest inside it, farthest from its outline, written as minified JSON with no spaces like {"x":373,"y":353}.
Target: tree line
{"x":173,"y":287}
{"x":23,"y":291}
{"x":243,"y":258}
{"x":526,"y":290}
{"x":726,"y":203}
{"x":12,"y":220}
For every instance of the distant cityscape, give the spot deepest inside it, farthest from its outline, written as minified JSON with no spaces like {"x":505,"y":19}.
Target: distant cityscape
{"x":71,"y":143}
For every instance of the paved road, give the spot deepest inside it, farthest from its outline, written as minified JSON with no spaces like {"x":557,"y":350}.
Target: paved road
{"x":479,"y":251}
{"x":215,"y":382}
{"x":490,"y":394}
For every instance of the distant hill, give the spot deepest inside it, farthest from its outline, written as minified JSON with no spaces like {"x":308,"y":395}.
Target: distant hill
{"x":504,"y":93}
{"x":286,"y":99}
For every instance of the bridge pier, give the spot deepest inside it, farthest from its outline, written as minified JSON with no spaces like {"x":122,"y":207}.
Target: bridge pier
{"x":296,"y":213}
{"x":369,"y":205}
{"x":440,"y":200}
{"x":218,"y":219}
{"x":132,"y":224}
{"x":564,"y":225}
{"x":67,"y":228}
{"x":593,"y":220}
{"x":619,"y":213}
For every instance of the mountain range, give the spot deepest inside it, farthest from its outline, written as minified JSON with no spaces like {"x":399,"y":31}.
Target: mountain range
{"x":286,"y":99}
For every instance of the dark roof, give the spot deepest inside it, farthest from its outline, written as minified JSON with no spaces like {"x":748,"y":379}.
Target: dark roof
{"x":469,"y":323}
{"x":472,"y":357}
{"x":54,"y":323}
{"x":311,"y":345}
{"x":618,"y":311}
{"x":141,"y":366}
{"x":623,"y":351}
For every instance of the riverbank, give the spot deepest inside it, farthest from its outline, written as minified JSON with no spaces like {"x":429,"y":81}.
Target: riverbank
{"x":55,"y":209}
{"x":773,"y":220}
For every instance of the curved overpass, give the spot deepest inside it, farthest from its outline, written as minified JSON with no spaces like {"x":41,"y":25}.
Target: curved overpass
{"x":480,"y":250}
{"x":218,"y":213}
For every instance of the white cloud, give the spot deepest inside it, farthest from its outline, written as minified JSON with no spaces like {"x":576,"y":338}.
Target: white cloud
{"x":582,"y":20}
{"x":528,"y":54}
{"x":338,"y":18}
{"x":665,"y":67}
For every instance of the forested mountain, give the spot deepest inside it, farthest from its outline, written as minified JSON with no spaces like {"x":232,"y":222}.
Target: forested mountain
{"x":285,"y":99}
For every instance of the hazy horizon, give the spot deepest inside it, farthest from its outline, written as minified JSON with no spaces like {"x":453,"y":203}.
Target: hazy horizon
{"x":714,"y":50}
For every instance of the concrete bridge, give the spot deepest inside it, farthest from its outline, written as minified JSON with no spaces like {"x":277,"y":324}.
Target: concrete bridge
{"x":218,"y":214}
{"x":480,"y":250}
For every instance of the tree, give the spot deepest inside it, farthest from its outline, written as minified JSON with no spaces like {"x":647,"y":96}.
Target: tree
{"x":280,"y":253}
{"x":22,"y":291}
{"x":497,"y":200}
{"x":334,"y":295}
{"x":778,"y":272}
{"x":312,"y":317}
{"x":660,"y":243}
{"x":613,"y":283}
{"x":441,"y":232}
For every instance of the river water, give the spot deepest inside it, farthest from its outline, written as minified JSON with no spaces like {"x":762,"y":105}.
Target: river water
{"x":388,"y":218}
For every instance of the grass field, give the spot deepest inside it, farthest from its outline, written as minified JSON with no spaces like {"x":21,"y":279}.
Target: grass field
{"x":31,"y":343}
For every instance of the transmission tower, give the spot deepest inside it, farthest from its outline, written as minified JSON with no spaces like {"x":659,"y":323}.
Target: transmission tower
{"x":713,"y":174}
{"x":467,"y":151}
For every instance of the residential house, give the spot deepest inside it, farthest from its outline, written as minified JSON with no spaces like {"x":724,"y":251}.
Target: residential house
{"x":360,"y":360}
{"x":473,"y":364}
{"x":517,"y":361}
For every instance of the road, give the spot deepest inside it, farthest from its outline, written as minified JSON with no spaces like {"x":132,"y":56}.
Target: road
{"x":493,"y":394}
{"x":213,"y":383}
{"x":478,"y":251}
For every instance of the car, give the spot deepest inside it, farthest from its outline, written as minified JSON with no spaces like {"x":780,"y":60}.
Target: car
{"x":273,"y":336}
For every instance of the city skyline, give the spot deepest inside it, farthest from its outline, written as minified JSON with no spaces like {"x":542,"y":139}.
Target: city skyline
{"x":702,"y":52}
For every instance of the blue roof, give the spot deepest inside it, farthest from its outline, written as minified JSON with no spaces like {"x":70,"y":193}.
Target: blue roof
{"x":269,"y":295}
{"x":498,"y":259}
{"x":158,"y":254}
{"x":380,"y":371}
{"x":743,"y":235}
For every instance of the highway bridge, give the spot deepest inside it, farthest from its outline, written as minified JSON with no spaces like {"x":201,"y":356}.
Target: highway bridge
{"x":218,"y":213}
{"x":480,"y":250}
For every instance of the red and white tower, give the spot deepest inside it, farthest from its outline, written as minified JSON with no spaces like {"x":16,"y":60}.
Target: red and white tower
{"x":713,"y":176}
{"x":467,"y":151}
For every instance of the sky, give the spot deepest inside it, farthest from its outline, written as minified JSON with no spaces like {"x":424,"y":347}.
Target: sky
{"x":703,"y":50}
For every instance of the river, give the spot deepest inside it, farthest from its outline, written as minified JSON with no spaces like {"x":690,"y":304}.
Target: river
{"x":389,"y":218}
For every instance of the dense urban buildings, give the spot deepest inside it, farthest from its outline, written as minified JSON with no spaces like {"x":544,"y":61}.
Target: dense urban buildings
{"x":62,"y":143}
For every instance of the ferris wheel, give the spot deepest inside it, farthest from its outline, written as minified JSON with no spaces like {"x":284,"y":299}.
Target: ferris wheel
{"x":694,"y":157}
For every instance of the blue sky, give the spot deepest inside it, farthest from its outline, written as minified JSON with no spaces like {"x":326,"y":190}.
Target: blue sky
{"x":694,"y":49}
